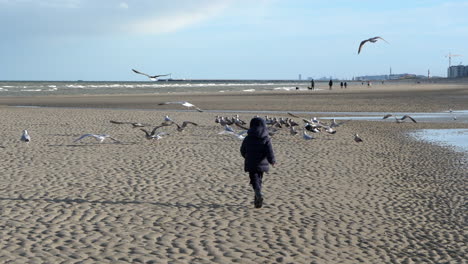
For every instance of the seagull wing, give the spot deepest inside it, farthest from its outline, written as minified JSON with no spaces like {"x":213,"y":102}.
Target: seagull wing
{"x":115,"y":140}
{"x":362,"y":44}
{"x":119,"y":122}
{"x":147,"y":75}
{"x":293,"y":115}
{"x":226,"y":132}
{"x":148,"y":134}
{"x":185,"y":123}
{"x":160,"y":75}
{"x":166,"y":103}
{"x":153,"y":132}
{"x":241,"y":126}
{"x":387,"y":116}
{"x":380,"y":38}
{"x":84,"y":136}
{"x":407,"y":116}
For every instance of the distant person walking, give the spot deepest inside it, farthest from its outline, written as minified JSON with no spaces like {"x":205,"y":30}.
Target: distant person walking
{"x":258,"y":154}
{"x":341,"y":85}
{"x":330,"y":84}
{"x":345,"y":85}
{"x":312,"y":85}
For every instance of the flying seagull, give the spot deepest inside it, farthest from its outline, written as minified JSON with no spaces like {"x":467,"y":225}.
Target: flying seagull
{"x":152,"y":77}
{"x":181,"y":128}
{"x":134,"y":124}
{"x":98,"y":137}
{"x":184,"y":103}
{"x":153,"y":134}
{"x":239,"y":135}
{"x":407,"y":116}
{"x":25,"y":136}
{"x":373,"y":40}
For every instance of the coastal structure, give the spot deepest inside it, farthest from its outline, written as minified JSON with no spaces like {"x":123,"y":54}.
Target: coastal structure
{"x":457,"y":71}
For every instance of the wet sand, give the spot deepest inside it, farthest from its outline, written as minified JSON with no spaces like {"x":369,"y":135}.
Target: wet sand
{"x":186,"y":199}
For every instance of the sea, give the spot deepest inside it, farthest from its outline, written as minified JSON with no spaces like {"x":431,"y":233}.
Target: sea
{"x":35,"y":88}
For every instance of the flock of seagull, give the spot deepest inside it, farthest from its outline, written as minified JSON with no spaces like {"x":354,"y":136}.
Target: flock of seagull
{"x":274,"y":124}
{"x":312,"y":125}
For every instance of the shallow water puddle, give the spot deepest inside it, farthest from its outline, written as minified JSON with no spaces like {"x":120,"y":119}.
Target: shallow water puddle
{"x":456,"y":138}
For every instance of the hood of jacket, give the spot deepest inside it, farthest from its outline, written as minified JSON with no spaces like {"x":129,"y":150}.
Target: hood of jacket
{"x":258,"y":128}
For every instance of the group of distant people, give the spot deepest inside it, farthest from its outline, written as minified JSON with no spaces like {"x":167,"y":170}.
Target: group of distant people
{"x":330,"y":84}
{"x":342,"y":84}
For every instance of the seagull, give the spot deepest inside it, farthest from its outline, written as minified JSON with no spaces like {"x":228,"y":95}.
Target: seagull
{"x":168,"y":119}
{"x":373,"y":40}
{"x":98,"y":137}
{"x":306,"y":136}
{"x":184,"y":125}
{"x":153,"y":134}
{"x":357,"y":138}
{"x":292,"y":130}
{"x":239,"y":135}
{"x":153,"y":78}
{"x":184,"y":103}
{"x":400,"y":120}
{"x":134,"y":124}
{"x":25,"y":136}
{"x":407,"y":116}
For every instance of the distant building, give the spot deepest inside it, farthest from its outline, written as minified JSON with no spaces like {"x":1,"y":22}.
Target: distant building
{"x":457,"y":71}
{"x":401,"y":76}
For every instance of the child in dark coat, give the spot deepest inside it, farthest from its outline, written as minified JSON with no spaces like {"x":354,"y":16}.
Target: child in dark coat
{"x":258,"y":153}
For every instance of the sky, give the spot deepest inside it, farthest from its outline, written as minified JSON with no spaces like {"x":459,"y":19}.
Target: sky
{"x":228,"y":39}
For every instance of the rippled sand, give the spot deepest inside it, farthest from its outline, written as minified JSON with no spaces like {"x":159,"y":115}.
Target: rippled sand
{"x":186,"y":199}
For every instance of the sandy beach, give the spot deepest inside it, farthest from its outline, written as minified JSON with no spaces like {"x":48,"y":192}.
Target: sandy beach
{"x":186,"y":199}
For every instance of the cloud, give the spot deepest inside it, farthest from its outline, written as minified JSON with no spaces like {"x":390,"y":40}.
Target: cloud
{"x":175,"y":20}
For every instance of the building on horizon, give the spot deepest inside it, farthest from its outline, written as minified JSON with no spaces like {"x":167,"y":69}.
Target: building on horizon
{"x":457,"y":71}
{"x":401,"y":76}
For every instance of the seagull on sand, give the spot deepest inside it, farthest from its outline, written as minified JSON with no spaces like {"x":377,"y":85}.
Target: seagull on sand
{"x":25,"y":136}
{"x":372,"y":40}
{"x":357,"y":138}
{"x":184,"y":103}
{"x":168,"y":119}
{"x":152,"y":77}
{"x":98,"y":137}
{"x":292,"y":130}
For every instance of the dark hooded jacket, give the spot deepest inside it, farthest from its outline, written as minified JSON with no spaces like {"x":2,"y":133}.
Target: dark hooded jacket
{"x":256,"y":147}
